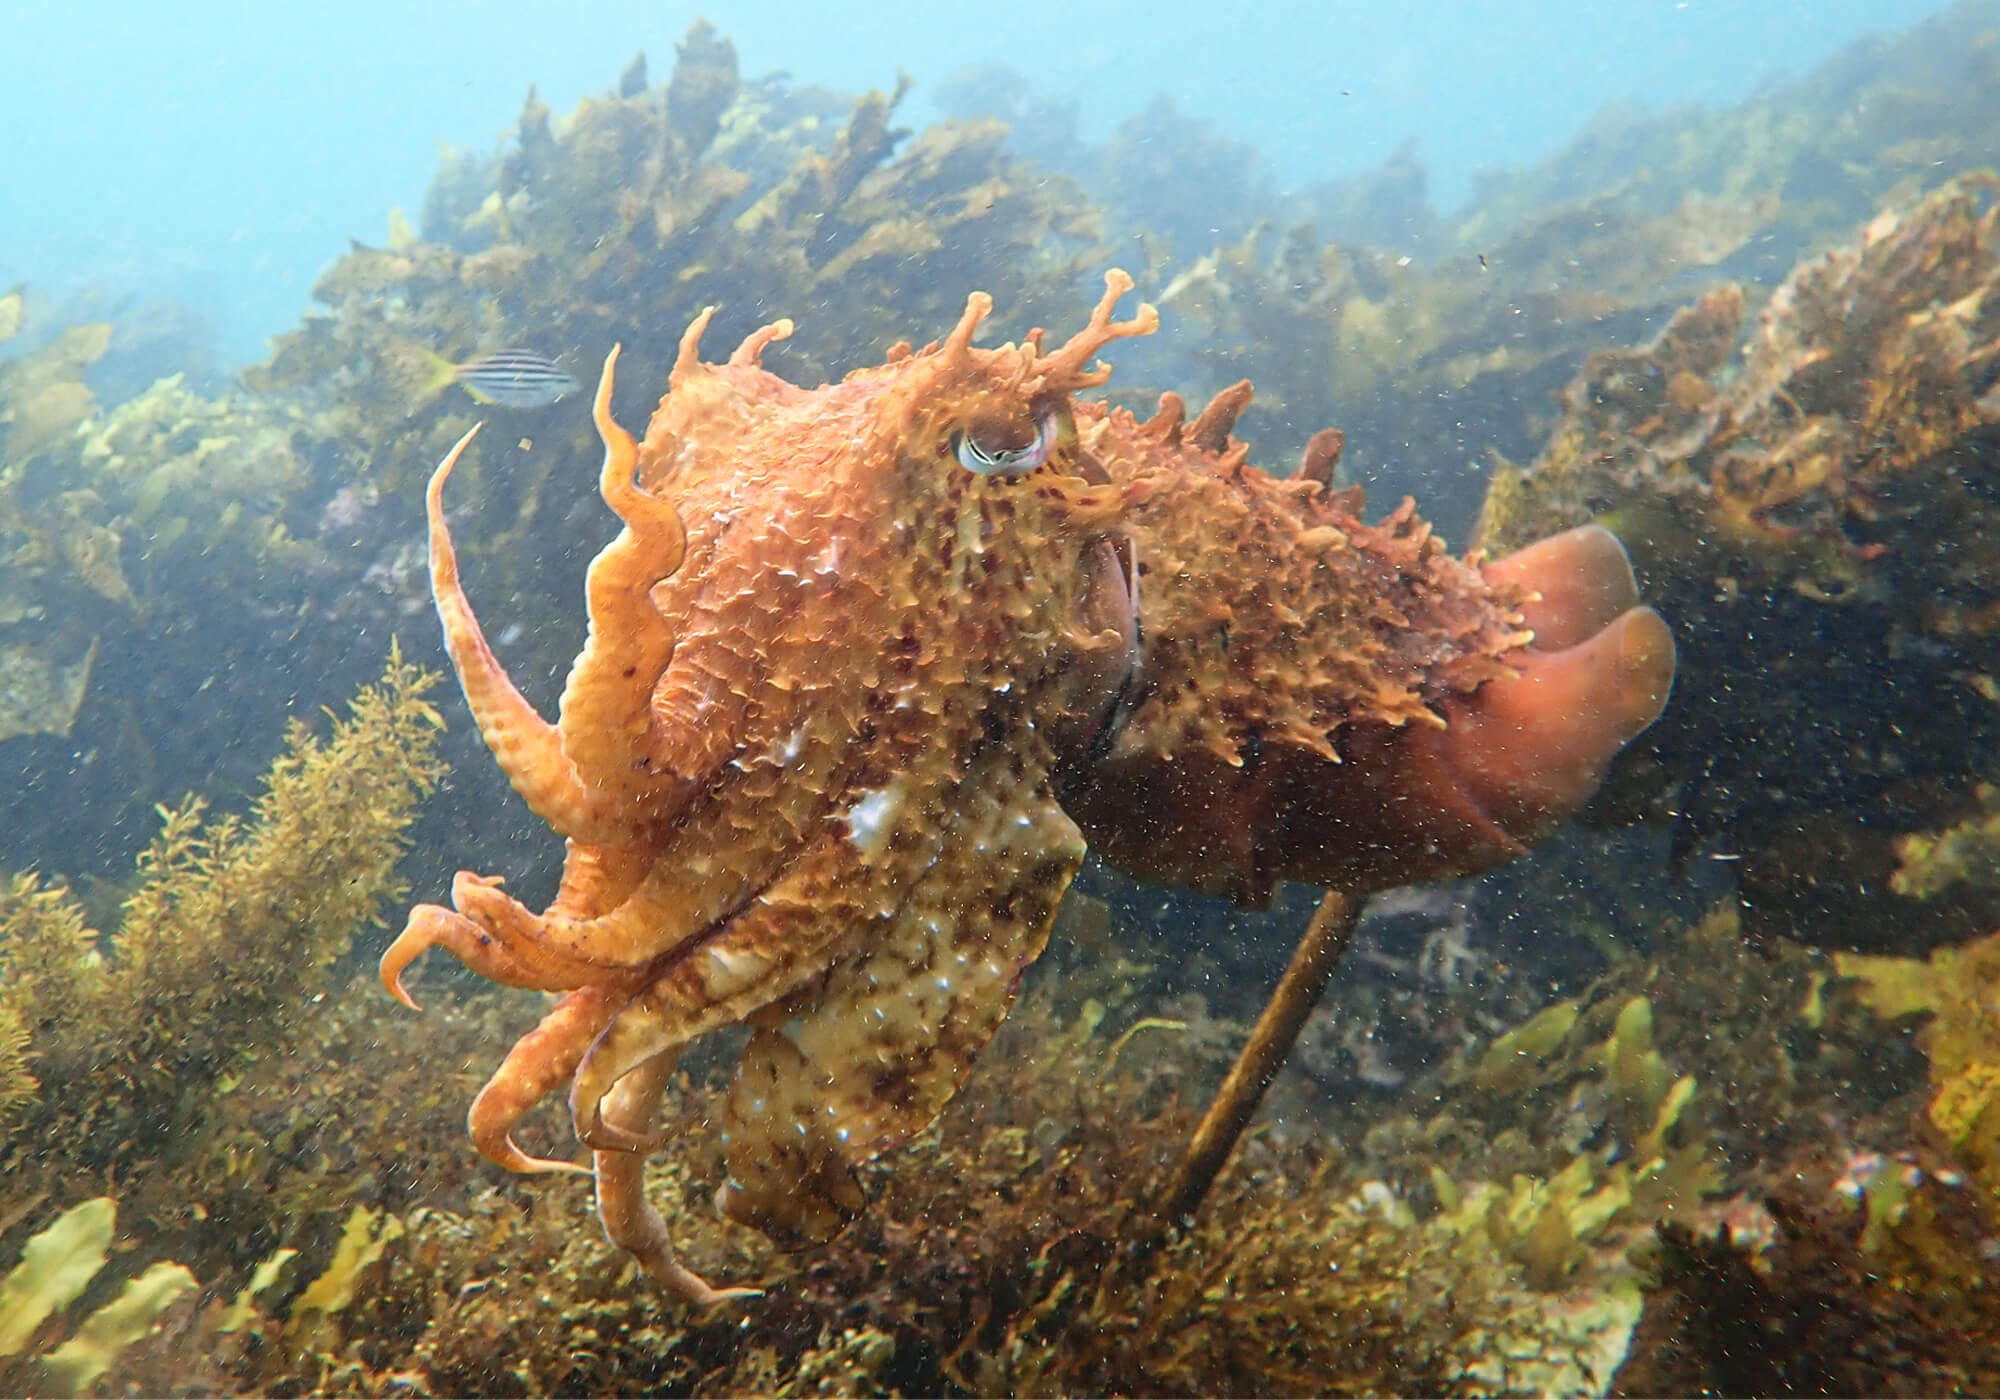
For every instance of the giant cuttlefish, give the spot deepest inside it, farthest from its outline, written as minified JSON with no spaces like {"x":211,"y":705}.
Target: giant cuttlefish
{"x":869,"y":664}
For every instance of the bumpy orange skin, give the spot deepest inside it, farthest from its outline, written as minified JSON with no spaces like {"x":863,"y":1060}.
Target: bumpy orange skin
{"x":866,"y":666}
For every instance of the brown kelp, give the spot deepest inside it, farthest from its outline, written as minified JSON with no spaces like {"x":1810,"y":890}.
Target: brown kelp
{"x":616,"y":223}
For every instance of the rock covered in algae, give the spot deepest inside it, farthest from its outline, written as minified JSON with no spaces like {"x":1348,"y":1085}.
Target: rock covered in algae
{"x":1439,"y":339}
{"x":1953,"y":992}
{"x":1816,"y":514}
{"x":1887,"y":1294}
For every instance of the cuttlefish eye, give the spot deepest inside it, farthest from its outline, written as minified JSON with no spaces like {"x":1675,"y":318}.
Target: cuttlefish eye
{"x":1000,"y":448}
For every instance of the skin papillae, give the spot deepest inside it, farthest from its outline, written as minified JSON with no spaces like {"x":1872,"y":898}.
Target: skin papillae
{"x":868,"y":666}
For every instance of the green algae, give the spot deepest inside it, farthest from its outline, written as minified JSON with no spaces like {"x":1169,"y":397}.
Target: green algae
{"x":57,"y":1266}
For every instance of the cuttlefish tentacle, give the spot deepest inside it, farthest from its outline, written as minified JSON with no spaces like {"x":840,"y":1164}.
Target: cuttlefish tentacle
{"x":889,"y":1036}
{"x":509,"y":950}
{"x":606,"y":721}
{"x":596,"y":878}
{"x":669,"y":905}
{"x":630,"y":1221}
{"x":538,"y":1065}
{"x":433,"y":926}
{"x":527,"y":747}
{"x":518,"y":931}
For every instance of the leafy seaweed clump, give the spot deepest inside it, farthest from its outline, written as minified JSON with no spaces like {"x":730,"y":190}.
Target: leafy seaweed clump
{"x":56,"y":1267}
{"x":1954,"y":989}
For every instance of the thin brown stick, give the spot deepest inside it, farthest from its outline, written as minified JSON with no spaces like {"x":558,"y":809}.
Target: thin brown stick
{"x":1292,"y":1000}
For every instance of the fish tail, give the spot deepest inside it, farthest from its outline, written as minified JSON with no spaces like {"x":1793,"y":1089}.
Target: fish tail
{"x":426,"y":373}
{"x":439,"y":373}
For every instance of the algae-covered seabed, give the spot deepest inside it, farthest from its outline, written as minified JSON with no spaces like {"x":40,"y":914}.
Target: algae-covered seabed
{"x":1700,"y":1096}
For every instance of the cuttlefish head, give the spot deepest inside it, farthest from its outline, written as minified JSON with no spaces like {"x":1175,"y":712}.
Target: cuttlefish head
{"x":926,"y":535}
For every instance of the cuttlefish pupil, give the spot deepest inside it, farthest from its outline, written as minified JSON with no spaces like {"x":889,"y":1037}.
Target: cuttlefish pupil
{"x":1000,"y":448}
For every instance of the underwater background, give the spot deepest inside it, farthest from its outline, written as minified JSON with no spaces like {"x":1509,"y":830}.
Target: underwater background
{"x":1702,"y":1094}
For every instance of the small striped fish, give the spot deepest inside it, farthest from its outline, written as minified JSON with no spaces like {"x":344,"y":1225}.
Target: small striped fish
{"x":512,"y":379}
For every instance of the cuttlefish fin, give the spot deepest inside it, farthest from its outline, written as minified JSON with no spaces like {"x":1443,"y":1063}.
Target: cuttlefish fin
{"x":874,"y":1053}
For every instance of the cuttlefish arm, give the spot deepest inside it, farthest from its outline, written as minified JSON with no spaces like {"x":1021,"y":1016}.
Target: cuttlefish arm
{"x":526,"y":746}
{"x":871,"y":985}
{"x":578,"y":776}
{"x":873,"y":1054}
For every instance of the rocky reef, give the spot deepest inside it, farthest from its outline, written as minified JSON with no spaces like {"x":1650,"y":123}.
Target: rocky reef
{"x":1616,"y":1120}
{"x":1821,"y":514}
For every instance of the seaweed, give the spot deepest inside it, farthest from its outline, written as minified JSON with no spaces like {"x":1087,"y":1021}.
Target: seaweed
{"x":1960,"y":1037}
{"x":299,"y":488}
{"x":214,"y":1065}
{"x":56,"y":1266}
{"x":230,"y":924}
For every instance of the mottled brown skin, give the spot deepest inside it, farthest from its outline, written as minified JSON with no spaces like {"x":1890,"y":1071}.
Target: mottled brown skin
{"x":861,"y":661}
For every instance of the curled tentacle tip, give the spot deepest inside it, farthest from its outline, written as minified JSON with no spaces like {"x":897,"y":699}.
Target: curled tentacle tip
{"x":523,"y":1164}
{"x":504,"y":1152}
{"x":408,"y":947}
{"x":394,"y":982}
{"x":464,"y":880}
{"x":600,"y":1134}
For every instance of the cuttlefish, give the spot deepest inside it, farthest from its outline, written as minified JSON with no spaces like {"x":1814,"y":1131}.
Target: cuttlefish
{"x":870,"y":665}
